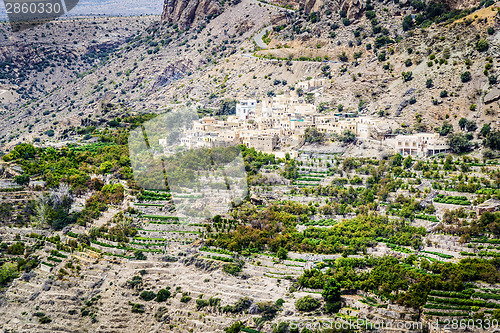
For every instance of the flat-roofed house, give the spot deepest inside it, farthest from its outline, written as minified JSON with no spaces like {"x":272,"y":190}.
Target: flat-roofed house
{"x":245,"y":109}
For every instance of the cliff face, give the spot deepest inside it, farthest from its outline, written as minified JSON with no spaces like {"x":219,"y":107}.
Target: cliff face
{"x":353,"y":8}
{"x":186,"y":12}
{"x":312,"y":5}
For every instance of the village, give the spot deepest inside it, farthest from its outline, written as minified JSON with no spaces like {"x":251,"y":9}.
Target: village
{"x":278,"y":124}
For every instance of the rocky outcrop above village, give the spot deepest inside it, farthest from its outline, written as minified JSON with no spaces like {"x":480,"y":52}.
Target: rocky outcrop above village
{"x":186,"y":12}
{"x":353,"y":8}
{"x":312,"y":5}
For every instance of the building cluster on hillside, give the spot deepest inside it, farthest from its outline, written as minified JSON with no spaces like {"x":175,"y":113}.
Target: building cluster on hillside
{"x":280,"y":122}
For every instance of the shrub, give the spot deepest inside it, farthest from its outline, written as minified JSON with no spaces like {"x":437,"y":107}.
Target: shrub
{"x":307,"y":304}
{"x":465,"y":77}
{"x":139,"y":255}
{"x":428,"y":83}
{"x":185,"y":298}
{"x":408,"y":62}
{"x":235,"y":327}
{"x":282,"y":253}
{"x":201,"y":303}
{"x":407,"y":76}
{"x":232,"y":269}
{"x":445,"y":129}
{"x":343,"y":57}
{"x":443,"y":94}
{"x":138,"y":308}
{"x":16,"y":249}
{"x":241,"y":305}
{"x":163,"y":295}
{"x":147,"y":295}
{"x":492,"y":139}
{"x":346,"y":21}
{"x":370,"y":14}
{"x":136,"y":280}
{"x":482,"y":45}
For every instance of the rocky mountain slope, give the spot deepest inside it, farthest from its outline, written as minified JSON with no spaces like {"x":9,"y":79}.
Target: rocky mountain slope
{"x":202,"y":52}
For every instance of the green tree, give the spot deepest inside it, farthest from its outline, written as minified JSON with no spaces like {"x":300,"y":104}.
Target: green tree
{"x":139,"y":255}
{"x":485,"y":130}
{"x":16,"y":249}
{"x":407,"y":76}
{"x":8,"y":272}
{"x":331,"y":294}
{"x":493,"y":140}
{"x":22,"y":180}
{"x":282,"y":253}
{"x":493,"y":79}
{"x":397,"y":160}
{"x":482,"y":45}
{"x":471,"y":125}
{"x":163,"y":295}
{"x":312,"y":135}
{"x":290,"y":170}
{"x":458,"y":143}
{"x":407,"y":23}
{"x":331,"y":290}
{"x":465,"y":76}
{"x":147,"y":295}
{"x":461,"y":123}
{"x":307,"y":304}
{"x":25,"y":150}
{"x":407,"y":162}
{"x":445,"y":129}
{"x":235,"y":327}
{"x":227,"y":107}
{"x":370,"y":14}
{"x":347,"y":137}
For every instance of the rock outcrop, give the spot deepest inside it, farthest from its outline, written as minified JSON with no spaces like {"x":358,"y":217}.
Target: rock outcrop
{"x":492,"y":96}
{"x":353,"y":8}
{"x":312,"y":5}
{"x":460,"y":4}
{"x":186,"y":12}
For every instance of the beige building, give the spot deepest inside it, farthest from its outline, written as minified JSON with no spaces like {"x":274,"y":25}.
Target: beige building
{"x":420,"y":144}
{"x":265,"y":143}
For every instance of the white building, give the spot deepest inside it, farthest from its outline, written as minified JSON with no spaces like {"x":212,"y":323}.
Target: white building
{"x":246,"y":109}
